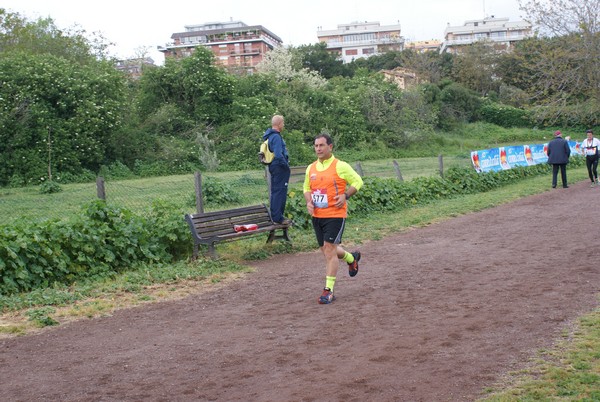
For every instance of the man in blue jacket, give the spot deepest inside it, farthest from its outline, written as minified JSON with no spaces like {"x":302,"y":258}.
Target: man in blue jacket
{"x":558,"y":156}
{"x":279,"y":169}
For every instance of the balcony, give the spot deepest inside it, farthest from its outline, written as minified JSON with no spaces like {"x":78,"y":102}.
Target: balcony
{"x":245,"y":52}
{"x":382,"y":41}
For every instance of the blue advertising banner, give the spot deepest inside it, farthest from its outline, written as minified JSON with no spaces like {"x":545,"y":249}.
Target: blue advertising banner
{"x":496,"y":159}
{"x":529,"y":155}
{"x":515,"y":156}
{"x":575,"y":148}
{"x":486,"y":160}
{"x":538,"y":153}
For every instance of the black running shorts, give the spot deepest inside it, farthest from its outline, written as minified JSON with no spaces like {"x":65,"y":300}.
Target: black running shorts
{"x":329,"y":230}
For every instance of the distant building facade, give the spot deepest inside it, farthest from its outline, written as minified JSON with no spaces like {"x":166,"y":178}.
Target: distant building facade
{"x":133,"y":67}
{"x":402,"y":77}
{"x":422,"y":46}
{"x":361,"y":40}
{"x":499,"y":32}
{"x":235,"y":45}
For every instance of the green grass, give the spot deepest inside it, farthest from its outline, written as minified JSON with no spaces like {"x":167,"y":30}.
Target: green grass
{"x":568,"y":372}
{"x":137,"y":194}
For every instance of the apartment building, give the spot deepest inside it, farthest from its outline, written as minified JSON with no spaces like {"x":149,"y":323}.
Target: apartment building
{"x":499,"y":32}
{"x":361,"y":40}
{"x":237,"y":46}
{"x":422,"y":46}
{"x":133,"y":67}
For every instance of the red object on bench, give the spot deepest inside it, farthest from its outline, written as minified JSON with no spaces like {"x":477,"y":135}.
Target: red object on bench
{"x":245,"y":228}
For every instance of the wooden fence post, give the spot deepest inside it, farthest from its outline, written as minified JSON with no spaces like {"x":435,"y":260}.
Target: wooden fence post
{"x":359,"y":169}
{"x":100,"y":190}
{"x":397,"y":169}
{"x":441,"y":165}
{"x":198,"y":186}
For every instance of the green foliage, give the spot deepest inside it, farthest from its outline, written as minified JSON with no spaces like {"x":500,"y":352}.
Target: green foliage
{"x":386,"y":194}
{"x":237,"y":144}
{"x":191,"y":114}
{"x":100,"y":242}
{"x":45,"y":98}
{"x":316,"y":58}
{"x":215,"y":192}
{"x":504,"y":115}
{"x":558,"y":72}
{"x":196,"y":88}
{"x":50,"y":187}
{"x":42,"y":36}
{"x":41,"y":316}
{"x":115,"y":171}
{"x":458,"y":105}
{"x":474,"y":68}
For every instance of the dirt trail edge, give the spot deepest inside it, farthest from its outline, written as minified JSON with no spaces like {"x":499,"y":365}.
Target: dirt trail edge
{"x":435,"y":314}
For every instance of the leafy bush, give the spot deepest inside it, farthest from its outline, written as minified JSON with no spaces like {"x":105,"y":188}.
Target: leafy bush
{"x":458,"y":105}
{"x":387,"y":194}
{"x":215,"y":192}
{"x":102,"y":241}
{"x":50,"y":187}
{"x":41,"y":316}
{"x":115,"y":171}
{"x":505,"y":116}
{"x":106,"y":240}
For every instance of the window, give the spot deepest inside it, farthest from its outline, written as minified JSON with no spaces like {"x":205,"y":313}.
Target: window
{"x":358,"y":37}
{"x":351,"y":52}
{"x":368,"y":50}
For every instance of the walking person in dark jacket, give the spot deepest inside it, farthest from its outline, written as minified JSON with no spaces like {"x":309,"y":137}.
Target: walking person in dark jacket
{"x":279,"y":169}
{"x":558,"y":156}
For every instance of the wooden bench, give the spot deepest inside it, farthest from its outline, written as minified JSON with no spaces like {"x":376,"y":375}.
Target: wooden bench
{"x":212,"y":227}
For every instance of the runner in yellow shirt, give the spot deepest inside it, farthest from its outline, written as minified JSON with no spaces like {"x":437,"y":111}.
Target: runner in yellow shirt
{"x":328,"y":184}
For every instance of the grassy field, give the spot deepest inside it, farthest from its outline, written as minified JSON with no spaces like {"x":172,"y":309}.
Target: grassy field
{"x":138,"y":194}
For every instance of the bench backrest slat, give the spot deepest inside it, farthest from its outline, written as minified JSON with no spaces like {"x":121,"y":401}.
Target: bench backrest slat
{"x":219,"y":223}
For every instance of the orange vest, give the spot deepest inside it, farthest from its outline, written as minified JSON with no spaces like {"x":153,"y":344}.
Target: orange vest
{"x":323,"y":187}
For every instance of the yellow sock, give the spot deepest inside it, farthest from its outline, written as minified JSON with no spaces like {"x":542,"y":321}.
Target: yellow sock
{"x":349,"y":258}
{"x":330,"y":282}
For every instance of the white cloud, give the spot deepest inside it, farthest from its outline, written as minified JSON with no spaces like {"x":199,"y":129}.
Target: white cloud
{"x":132,"y":25}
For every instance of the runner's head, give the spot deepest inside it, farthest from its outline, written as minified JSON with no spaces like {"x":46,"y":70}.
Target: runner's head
{"x":323,"y":146}
{"x":590,"y":134}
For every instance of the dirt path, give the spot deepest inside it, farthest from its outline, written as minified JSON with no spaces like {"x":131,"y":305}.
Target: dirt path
{"x":435,"y":314}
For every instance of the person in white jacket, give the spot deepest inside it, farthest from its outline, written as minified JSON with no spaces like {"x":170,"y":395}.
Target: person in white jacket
{"x":590,"y":147}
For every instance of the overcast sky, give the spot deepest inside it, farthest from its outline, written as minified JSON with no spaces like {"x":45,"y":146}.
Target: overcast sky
{"x":132,"y":25}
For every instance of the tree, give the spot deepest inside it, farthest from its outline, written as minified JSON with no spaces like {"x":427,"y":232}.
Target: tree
{"x":429,"y":66}
{"x":564,"y":71}
{"x":474,"y":68}
{"x":317,"y":58}
{"x":385,"y":61}
{"x":81,"y":105}
{"x":59,"y":82}
{"x":198,"y":88}
{"x":563,"y":17}
{"x":280,"y":64}
{"x":42,"y":36}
